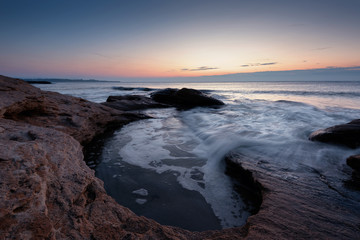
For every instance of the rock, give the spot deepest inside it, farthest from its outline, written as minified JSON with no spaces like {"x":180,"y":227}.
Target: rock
{"x":244,"y":183}
{"x":291,"y":208}
{"x":185,"y":98}
{"x":354,"y":162}
{"x":39,"y":82}
{"x":79,"y":118}
{"x":48,"y":192}
{"x":46,"y":189}
{"x":132,"y":102}
{"x":344,"y":134}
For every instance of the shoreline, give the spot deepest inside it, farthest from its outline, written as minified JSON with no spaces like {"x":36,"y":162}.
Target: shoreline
{"x":49,"y":192}
{"x":61,"y":197}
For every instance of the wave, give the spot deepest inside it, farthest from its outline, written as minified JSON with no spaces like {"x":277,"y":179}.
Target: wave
{"x":308,"y":93}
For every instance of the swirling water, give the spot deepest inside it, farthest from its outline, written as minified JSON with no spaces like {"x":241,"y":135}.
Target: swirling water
{"x":184,"y":150}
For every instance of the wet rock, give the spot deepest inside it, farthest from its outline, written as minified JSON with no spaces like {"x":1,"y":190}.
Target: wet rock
{"x":344,"y":134}
{"x":185,"y":98}
{"x":244,"y":183}
{"x":354,"y":162}
{"x":132,"y":102}
{"x":291,"y":207}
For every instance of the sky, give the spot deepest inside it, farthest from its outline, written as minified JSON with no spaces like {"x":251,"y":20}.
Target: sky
{"x":114,"y":39}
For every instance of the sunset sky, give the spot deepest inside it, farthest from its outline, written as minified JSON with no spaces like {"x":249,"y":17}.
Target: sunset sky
{"x":128,"y":39}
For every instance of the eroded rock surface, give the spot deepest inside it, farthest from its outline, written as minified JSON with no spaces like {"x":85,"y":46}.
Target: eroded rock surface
{"x":79,"y":118}
{"x":346,"y":134}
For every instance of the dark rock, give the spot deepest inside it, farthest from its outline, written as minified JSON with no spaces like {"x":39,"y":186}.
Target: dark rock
{"x":354,"y":162}
{"x":345,"y":134}
{"x":39,"y":82}
{"x":244,"y":183}
{"x":132,"y":102}
{"x":133,"y":88}
{"x":185,"y":98}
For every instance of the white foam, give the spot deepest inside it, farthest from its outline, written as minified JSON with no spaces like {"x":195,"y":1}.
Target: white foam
{"x":142,"y":192}
{"x":140,"y":201}
{"x":270,"y":131}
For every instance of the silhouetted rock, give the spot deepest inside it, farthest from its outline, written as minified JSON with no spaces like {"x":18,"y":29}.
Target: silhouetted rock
{"x":354,"y":162}
{"x":185,"y":98}
{"x":132,"y":102}
{"x":38,"y":82}
{"x":345,"y":134}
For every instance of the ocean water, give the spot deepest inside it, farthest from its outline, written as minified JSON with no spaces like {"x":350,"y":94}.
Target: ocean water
{"x":155,"y":162}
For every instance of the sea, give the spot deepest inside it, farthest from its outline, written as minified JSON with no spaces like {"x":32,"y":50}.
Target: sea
{"x":171,"y":167}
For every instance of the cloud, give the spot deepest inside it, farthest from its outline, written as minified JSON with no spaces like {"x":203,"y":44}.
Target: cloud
{"x":268,"y":63}
{"x":101,"y":55}
{"x":258,"y":64}
{"x":203,"y":68}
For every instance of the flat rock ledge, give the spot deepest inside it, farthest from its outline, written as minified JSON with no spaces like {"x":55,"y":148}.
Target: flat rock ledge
{"x":46,"y":189}
{"x":344,"y":134}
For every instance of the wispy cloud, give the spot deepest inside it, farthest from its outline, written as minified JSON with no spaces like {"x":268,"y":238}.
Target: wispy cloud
{"x":102,"y":55}
{"x":203,"y":68}
{"x":258,"y":64}
{"x":268,"y":63}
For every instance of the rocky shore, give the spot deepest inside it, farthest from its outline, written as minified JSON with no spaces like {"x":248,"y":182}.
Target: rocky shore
{"x":48,"y":192}
{"x":46,"y":189}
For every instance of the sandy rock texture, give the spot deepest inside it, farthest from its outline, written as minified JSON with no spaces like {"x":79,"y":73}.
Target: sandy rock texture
{"x":77,"y":117}
{"x":46,"y":189}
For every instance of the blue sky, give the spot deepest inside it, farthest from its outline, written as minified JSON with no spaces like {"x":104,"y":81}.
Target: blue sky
{"x":162,"y":39}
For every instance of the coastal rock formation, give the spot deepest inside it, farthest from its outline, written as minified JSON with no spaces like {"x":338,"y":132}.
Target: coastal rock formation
{"x":184,"y":98}
{"x":132,"y":102}
{"x":354,"y":162}
{"x":48,"y":192}
{"x":293,"y":209}
{"x":46,"y":189}
{"x":346,"y":134}
{"x":75,"y":116}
